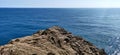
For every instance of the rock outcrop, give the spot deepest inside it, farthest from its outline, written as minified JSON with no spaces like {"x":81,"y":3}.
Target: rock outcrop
{"x":52,"y":41}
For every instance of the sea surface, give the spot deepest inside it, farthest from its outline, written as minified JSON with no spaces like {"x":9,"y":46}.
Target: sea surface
{"x":101,"y":26}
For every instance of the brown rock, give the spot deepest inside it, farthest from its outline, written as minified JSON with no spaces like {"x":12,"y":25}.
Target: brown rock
{"x":52,"y":41}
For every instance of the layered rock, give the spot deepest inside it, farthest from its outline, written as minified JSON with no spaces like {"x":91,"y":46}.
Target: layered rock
{"x":52,"y":41}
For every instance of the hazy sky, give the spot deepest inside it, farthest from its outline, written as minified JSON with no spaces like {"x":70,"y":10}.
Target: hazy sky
{"x":61,"y":3}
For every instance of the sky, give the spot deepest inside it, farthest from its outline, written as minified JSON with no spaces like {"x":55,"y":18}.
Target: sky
{"x":60,"y":3}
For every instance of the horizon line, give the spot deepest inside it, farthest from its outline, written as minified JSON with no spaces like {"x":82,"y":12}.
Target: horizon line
{"x":59,"y":7}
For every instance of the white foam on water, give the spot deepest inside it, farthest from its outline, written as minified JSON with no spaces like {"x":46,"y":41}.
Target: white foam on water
{"x":114,"y":47}
{"x":118,"y":53}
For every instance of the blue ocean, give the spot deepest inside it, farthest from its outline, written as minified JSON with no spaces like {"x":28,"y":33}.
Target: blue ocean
{"x":101,"y":26}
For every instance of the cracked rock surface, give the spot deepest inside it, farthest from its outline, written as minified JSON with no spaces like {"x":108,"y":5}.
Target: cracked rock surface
{"x":52,"y":41}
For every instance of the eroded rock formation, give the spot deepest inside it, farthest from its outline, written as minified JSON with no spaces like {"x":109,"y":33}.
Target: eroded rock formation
{"x":52,"y":41}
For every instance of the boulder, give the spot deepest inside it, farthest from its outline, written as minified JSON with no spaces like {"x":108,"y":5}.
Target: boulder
{"x":52,"y":41}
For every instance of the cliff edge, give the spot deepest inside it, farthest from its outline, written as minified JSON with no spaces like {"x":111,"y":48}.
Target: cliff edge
{"x":52,"y":41}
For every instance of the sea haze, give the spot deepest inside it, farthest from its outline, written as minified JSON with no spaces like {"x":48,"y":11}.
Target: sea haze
{"x":101,"y":26}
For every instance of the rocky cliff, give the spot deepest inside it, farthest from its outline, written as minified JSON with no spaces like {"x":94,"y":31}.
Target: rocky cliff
{"x":52,"y":41}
